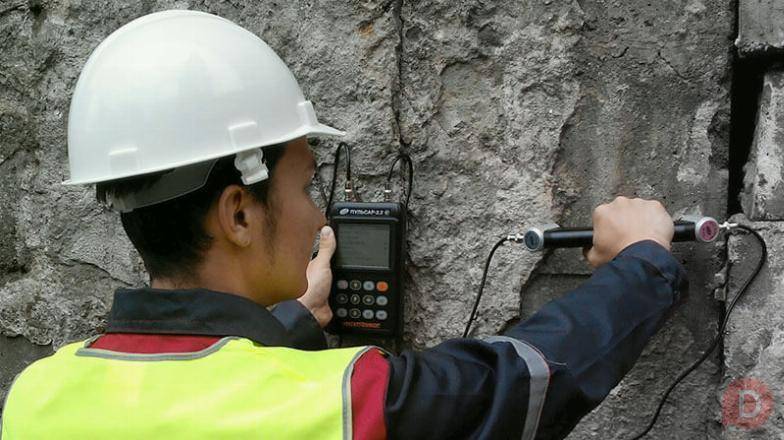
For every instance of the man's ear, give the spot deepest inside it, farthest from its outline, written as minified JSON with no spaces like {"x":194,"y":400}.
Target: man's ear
{"x":233,"y":212}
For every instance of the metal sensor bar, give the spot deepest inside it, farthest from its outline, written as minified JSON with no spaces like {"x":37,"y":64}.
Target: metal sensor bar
{"x":702,"y":229}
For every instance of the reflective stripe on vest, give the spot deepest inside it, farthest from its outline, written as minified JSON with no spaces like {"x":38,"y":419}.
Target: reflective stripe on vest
{"x":539,"y":378}
{"x":233,"y":389}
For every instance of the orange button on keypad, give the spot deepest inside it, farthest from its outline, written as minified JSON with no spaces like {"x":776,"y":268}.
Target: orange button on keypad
{"x":382,"y":286}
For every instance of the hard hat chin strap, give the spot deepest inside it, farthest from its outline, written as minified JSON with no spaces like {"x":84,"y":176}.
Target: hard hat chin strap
{"x":251,"y":164}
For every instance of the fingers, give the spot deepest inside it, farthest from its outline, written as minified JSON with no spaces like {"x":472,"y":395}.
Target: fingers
{"x":592,"y":257}
{"x":625,"y":221}
{"x":327,"y":245}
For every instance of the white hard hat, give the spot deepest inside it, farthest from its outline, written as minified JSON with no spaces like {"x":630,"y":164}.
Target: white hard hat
{"x":177,"y":88}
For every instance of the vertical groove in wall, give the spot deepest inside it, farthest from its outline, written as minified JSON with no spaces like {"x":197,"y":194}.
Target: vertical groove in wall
{"x":733,"y":197}
{"x":746,"y":88}
{"x":397,"y":93}
{"x":747,"y":78}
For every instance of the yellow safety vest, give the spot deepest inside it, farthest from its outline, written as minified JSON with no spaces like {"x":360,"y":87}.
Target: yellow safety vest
{"x":233,"y":389}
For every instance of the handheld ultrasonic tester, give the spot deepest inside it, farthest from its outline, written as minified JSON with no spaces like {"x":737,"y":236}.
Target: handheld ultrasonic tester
{"x":367,"y":282}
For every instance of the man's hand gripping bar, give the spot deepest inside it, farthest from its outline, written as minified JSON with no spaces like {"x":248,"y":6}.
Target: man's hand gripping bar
{"x":693,"y":228}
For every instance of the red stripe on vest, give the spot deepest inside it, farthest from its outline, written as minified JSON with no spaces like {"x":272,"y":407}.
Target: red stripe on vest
{"x":368,"y":392}
{"x":142,"y":343}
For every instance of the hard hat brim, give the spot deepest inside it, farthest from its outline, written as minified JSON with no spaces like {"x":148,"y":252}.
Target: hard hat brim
{"x":318,"y":129}
{"x":327,"y":130}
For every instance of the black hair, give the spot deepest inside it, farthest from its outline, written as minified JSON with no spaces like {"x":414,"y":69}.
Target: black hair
{"x":170,"y":236}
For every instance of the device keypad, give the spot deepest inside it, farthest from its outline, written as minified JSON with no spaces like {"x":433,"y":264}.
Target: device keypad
{"x":363,"y":300}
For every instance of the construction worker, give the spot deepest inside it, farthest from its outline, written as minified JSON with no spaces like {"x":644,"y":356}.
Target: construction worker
{"x":195,"y":131}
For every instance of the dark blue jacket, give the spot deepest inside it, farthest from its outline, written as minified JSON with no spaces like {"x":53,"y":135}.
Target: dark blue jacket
{"x":590,"y":338}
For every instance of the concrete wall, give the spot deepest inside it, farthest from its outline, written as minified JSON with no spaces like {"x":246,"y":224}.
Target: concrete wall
{"x":516,"y":113}
{"x":752,"y":349}
{"x":760,"y":30}
{"x":755,"y":337}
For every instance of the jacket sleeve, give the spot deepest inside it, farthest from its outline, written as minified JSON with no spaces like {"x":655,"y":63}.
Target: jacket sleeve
{"x":303,"y":329}
{"x":540,"y":377}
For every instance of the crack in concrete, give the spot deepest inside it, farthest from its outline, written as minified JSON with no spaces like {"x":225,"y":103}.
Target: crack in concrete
{"x":13,"y":153}
{"x":19,"y":4}
{"x":71,"y":263}
{"x":397,"y":94}
{"x":621,"y":54}
{"x":667,"y":62}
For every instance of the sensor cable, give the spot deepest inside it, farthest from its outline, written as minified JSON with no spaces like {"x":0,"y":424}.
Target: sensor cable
{"x":482,"y":283}
{"x":388,"y":187}
{"x":720,"y":334}
{"x":349,"y":188}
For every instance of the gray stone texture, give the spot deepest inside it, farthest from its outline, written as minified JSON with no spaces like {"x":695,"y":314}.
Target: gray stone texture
{"x":516,"y":113}
{"x":761,"y":27}
{"x":15,"y":354}
{"x":552,"y":108}
{"x":763,"y":198}
{"x":755,"y":333}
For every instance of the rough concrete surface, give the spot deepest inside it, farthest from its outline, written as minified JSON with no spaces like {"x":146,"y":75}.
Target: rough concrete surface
{"x":516,"y":113}
{"x":761,"y":27}
{"x":755,"y":336}
{"x":15,"y":354}
{"x":763,"y":198}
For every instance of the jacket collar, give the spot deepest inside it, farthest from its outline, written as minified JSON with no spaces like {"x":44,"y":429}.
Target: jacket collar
{"x":194,"y":312}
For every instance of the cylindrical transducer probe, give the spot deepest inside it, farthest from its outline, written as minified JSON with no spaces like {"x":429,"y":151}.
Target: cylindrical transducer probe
{"x":702,"y":229}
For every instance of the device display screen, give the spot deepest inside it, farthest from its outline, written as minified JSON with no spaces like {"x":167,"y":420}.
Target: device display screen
{"x":363,"y":245}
